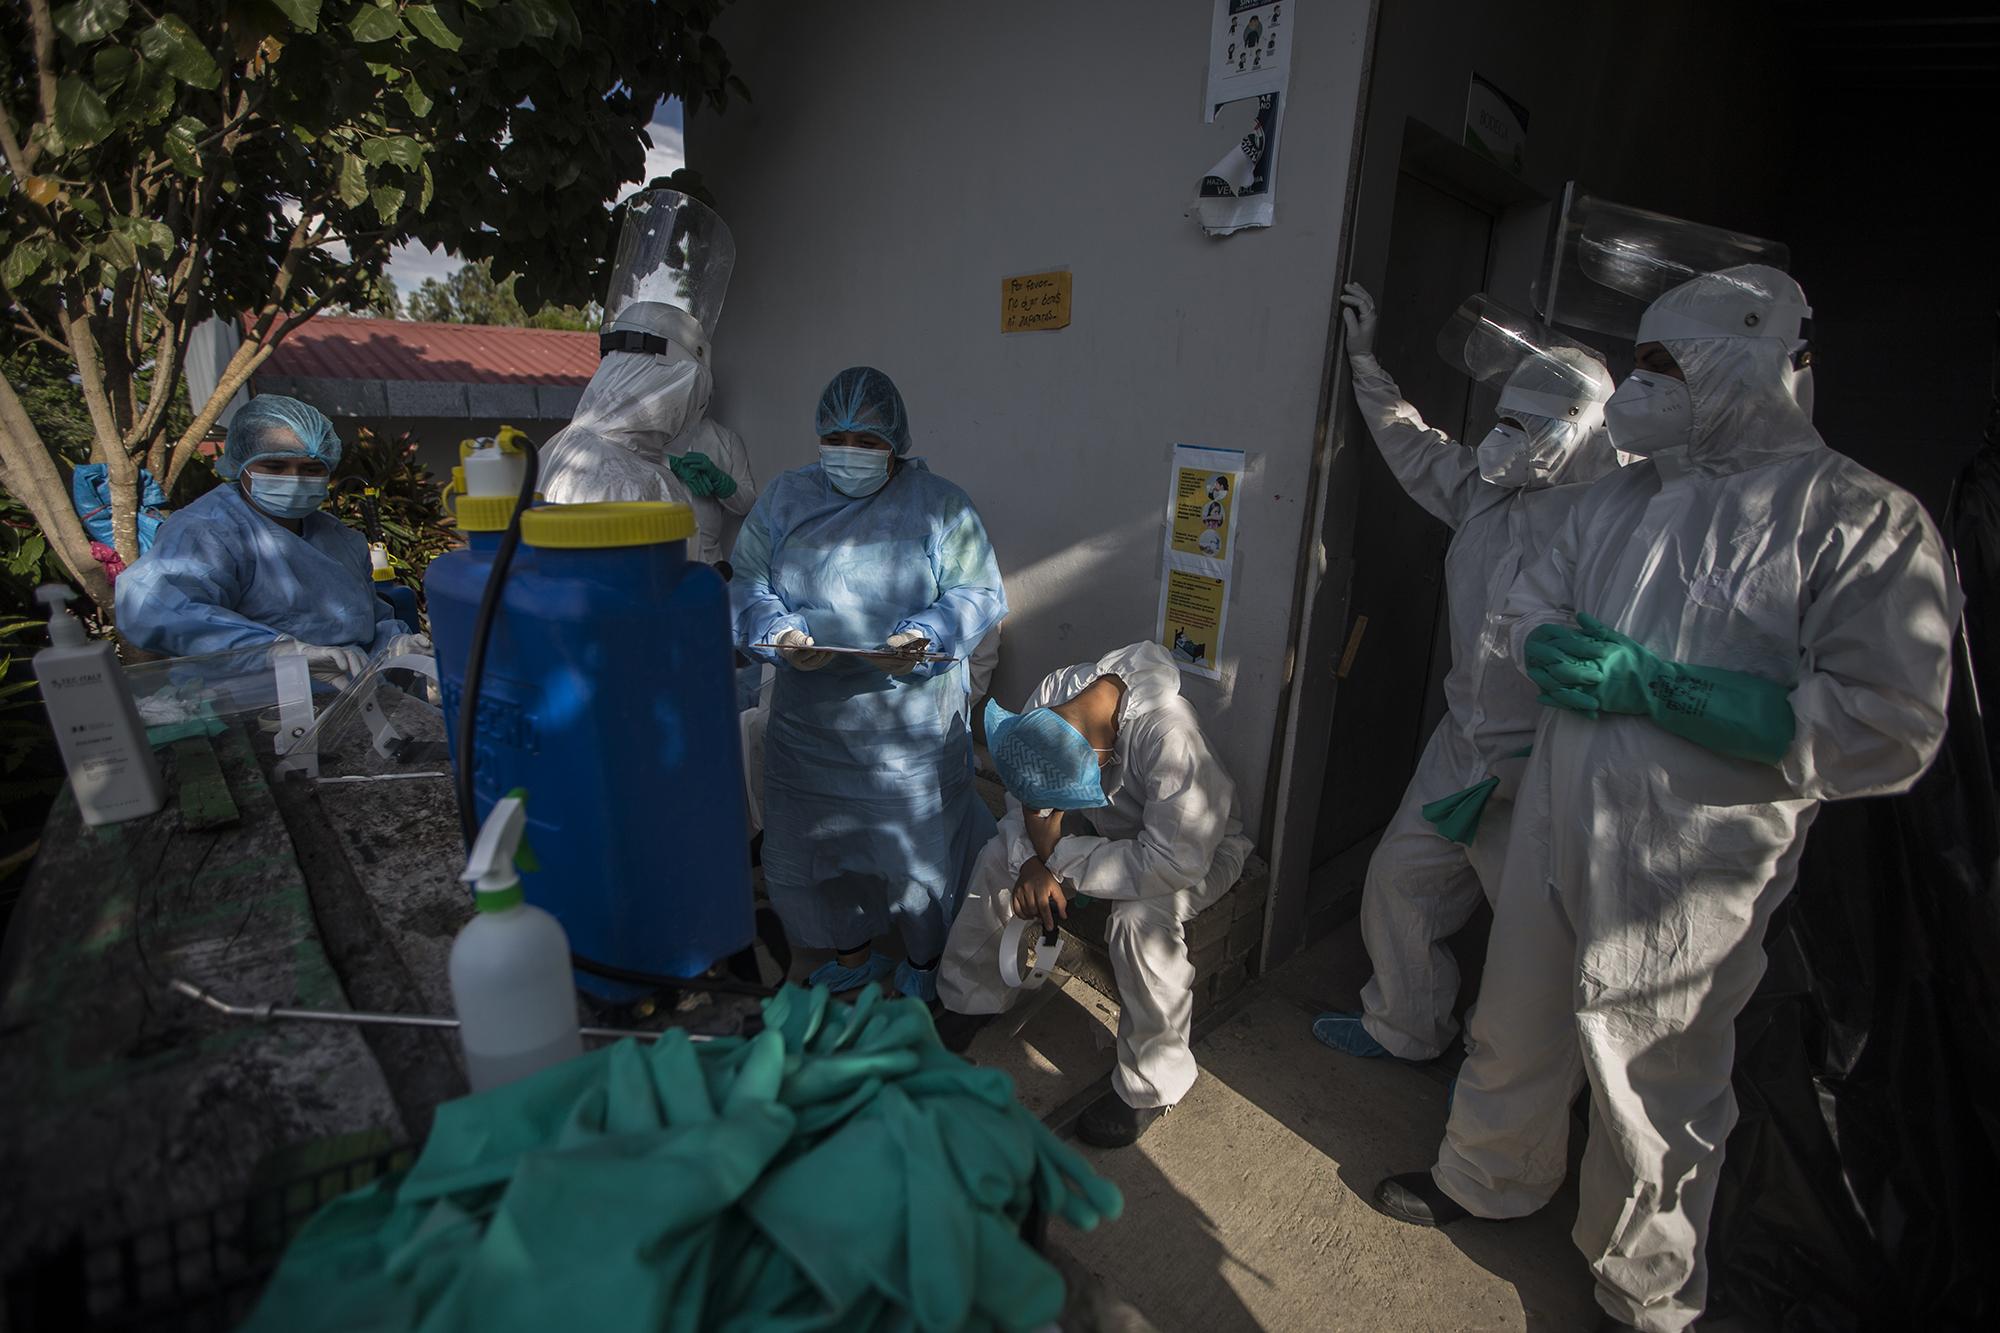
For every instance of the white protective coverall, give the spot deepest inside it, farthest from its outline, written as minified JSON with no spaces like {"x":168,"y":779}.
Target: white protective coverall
{"x":637,"y":410}
{"x":1168,"y":844}
{"x":1422,"y":886}
{"x":1629,"y":928}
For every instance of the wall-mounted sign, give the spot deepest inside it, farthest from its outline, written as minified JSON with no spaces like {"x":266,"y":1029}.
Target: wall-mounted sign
{"x":1496,"y":126}
{"x":1034,"y":301}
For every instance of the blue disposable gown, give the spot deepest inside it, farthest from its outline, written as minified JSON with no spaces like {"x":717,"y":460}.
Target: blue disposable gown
{"x":870,"y":818}
{"x":221,"y":576}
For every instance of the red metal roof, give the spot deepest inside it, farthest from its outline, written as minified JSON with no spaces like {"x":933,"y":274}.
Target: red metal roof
{"x":347,"y":347}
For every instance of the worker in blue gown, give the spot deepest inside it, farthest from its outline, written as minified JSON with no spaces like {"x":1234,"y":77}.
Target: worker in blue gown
{"x":258,"y":562}
{"x":870,"y":817}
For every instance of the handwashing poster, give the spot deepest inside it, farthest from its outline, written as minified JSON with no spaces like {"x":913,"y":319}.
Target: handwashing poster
{"x":1199,"y":556}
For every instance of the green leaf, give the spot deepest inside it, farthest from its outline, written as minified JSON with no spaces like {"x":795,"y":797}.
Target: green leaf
{"x":373,"y":24}
{"x":431,"y":26}
{"x":420,"y":101}
{"x":90,"y":20}
{"x":388,"y":203}
{"x":303,"y":13}
{"x":22,"y":261}
{"x":146,"y":234}
{"x":81,"y":116}
{"x":353,"y":186}
{"x":117,"y":248}
{"x":424,"y":197}
{"x":111,"y":66}
{"x":183,"y":145}
{"x":400,"y":150}
{"x":171,"y":42}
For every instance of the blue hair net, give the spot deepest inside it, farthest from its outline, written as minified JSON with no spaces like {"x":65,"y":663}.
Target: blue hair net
{"x":274,"y":426}
{"x":1043,"y":760}
{"x":863,"y":399}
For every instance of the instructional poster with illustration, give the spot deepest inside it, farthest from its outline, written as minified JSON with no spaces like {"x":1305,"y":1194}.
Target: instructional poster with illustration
{"x":1202,"y":534}
{"x":1249,"y":50}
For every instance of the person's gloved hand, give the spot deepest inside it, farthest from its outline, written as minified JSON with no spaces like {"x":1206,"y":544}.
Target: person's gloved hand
{"x":1357,"y":311}
{"x":699,"y":473}
{"x":1600,"y":670}
{"x":412,"y":645}
{"x":1039,"y":895}
{"x":796,"y":647}
{"x":900,"y":659}
{"x":326,"y":662}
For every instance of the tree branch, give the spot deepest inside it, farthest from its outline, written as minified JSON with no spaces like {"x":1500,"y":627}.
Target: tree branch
{"x":45,"y":55}
{"x":29,"y":473}
{"x":18,"y":161}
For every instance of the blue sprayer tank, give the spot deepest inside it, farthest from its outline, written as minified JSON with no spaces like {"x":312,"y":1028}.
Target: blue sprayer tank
{"x":607,"y":696}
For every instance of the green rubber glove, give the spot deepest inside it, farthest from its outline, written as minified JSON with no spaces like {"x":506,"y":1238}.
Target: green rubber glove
{"x":701,"y":476}
{"x":1600,"y":670}
{"x":1457,"y":816}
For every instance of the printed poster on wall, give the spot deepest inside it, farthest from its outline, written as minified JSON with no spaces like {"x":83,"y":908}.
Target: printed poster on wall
{"x":1249,"y":51}
{"x":1199,"y":556}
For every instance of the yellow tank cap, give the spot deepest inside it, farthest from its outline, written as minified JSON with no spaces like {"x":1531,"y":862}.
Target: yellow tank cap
{"x":483,"y":513}
{"x":595,"y":526}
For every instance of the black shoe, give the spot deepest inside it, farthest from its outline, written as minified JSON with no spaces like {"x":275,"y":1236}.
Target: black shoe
{"x":1110,"y":1123}
{"x":957,"y":1030}
{"x":1416,"y":1199}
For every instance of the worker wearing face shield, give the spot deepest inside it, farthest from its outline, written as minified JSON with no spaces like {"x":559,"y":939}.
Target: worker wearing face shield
{"x":1724,"y":635}
{"x":1504,"y":500}
{"x":871,"y":822}
{"x":642,"y":430}
{"x":259,"y":561}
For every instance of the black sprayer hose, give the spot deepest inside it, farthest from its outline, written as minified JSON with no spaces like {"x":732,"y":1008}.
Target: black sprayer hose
{"x":482,"y":631}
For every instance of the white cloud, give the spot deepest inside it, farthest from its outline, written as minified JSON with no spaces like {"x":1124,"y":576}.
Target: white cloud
{"x":411,"y":263}
{"x":669,"y":151}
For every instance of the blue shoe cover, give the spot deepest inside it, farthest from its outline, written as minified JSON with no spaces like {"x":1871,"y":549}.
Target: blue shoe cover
{"x":839,"y":979}
{"x":919,"y":983}
{"x":1450,"y":1093}
{"x":1344,"y":1033}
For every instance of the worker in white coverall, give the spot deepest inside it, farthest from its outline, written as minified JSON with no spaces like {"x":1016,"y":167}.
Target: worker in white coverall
{"x":1504,"y":502}
{"x":1741,"y":626}
{"x":642,"y":432}
{"x":1115,"y":738}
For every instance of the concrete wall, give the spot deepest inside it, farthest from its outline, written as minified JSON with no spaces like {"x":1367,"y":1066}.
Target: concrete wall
{"x":900,"y":159}
{"x":1684,"y":109}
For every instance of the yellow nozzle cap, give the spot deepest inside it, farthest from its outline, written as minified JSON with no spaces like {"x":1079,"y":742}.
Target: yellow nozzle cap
{"x":598,"y":526}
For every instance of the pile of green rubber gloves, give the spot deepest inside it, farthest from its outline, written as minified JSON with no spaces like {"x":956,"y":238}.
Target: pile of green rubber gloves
{"x":840,"y":1170}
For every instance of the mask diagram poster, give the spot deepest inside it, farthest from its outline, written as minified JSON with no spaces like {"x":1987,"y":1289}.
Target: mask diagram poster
{"x":1249,"y":51}
{"x":1200,"y":555}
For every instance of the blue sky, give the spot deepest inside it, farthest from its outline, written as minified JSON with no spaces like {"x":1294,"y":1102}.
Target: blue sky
{"x":411,"y":264}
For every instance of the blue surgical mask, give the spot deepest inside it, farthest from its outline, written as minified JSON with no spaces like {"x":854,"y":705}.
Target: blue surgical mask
{"x":287,"y":497}
{"x":853,"y":471}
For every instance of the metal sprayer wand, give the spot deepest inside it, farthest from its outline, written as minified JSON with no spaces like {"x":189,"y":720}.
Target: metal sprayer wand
{"x":265,"y":1013}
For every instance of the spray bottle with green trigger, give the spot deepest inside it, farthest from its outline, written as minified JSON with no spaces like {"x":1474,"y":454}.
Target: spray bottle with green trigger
{"x":510,"y":966}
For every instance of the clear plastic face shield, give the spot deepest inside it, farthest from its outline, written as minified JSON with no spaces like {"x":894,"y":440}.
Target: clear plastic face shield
{"x":1551,"y":389}
{"x":671,"y":274}
{"x":1606,"y":263}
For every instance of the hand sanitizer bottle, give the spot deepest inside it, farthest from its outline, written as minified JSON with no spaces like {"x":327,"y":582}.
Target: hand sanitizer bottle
{"x":103,"y":743}
{"x":510,"y":968}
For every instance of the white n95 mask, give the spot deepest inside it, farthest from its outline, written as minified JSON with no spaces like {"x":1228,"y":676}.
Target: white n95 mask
{"x":1650,"y":415}
{"x":1504,"y":458}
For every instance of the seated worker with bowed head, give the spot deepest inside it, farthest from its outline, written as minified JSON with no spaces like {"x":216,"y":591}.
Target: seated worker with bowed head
{"x":257,"y":562}
{"x":1113,"y":737}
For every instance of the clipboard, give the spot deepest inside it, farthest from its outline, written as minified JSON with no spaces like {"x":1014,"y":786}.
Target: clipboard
{"x":870,"y":653}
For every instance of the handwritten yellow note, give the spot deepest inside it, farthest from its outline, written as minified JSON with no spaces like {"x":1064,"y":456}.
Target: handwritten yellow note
{"x":1033,"y":302}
